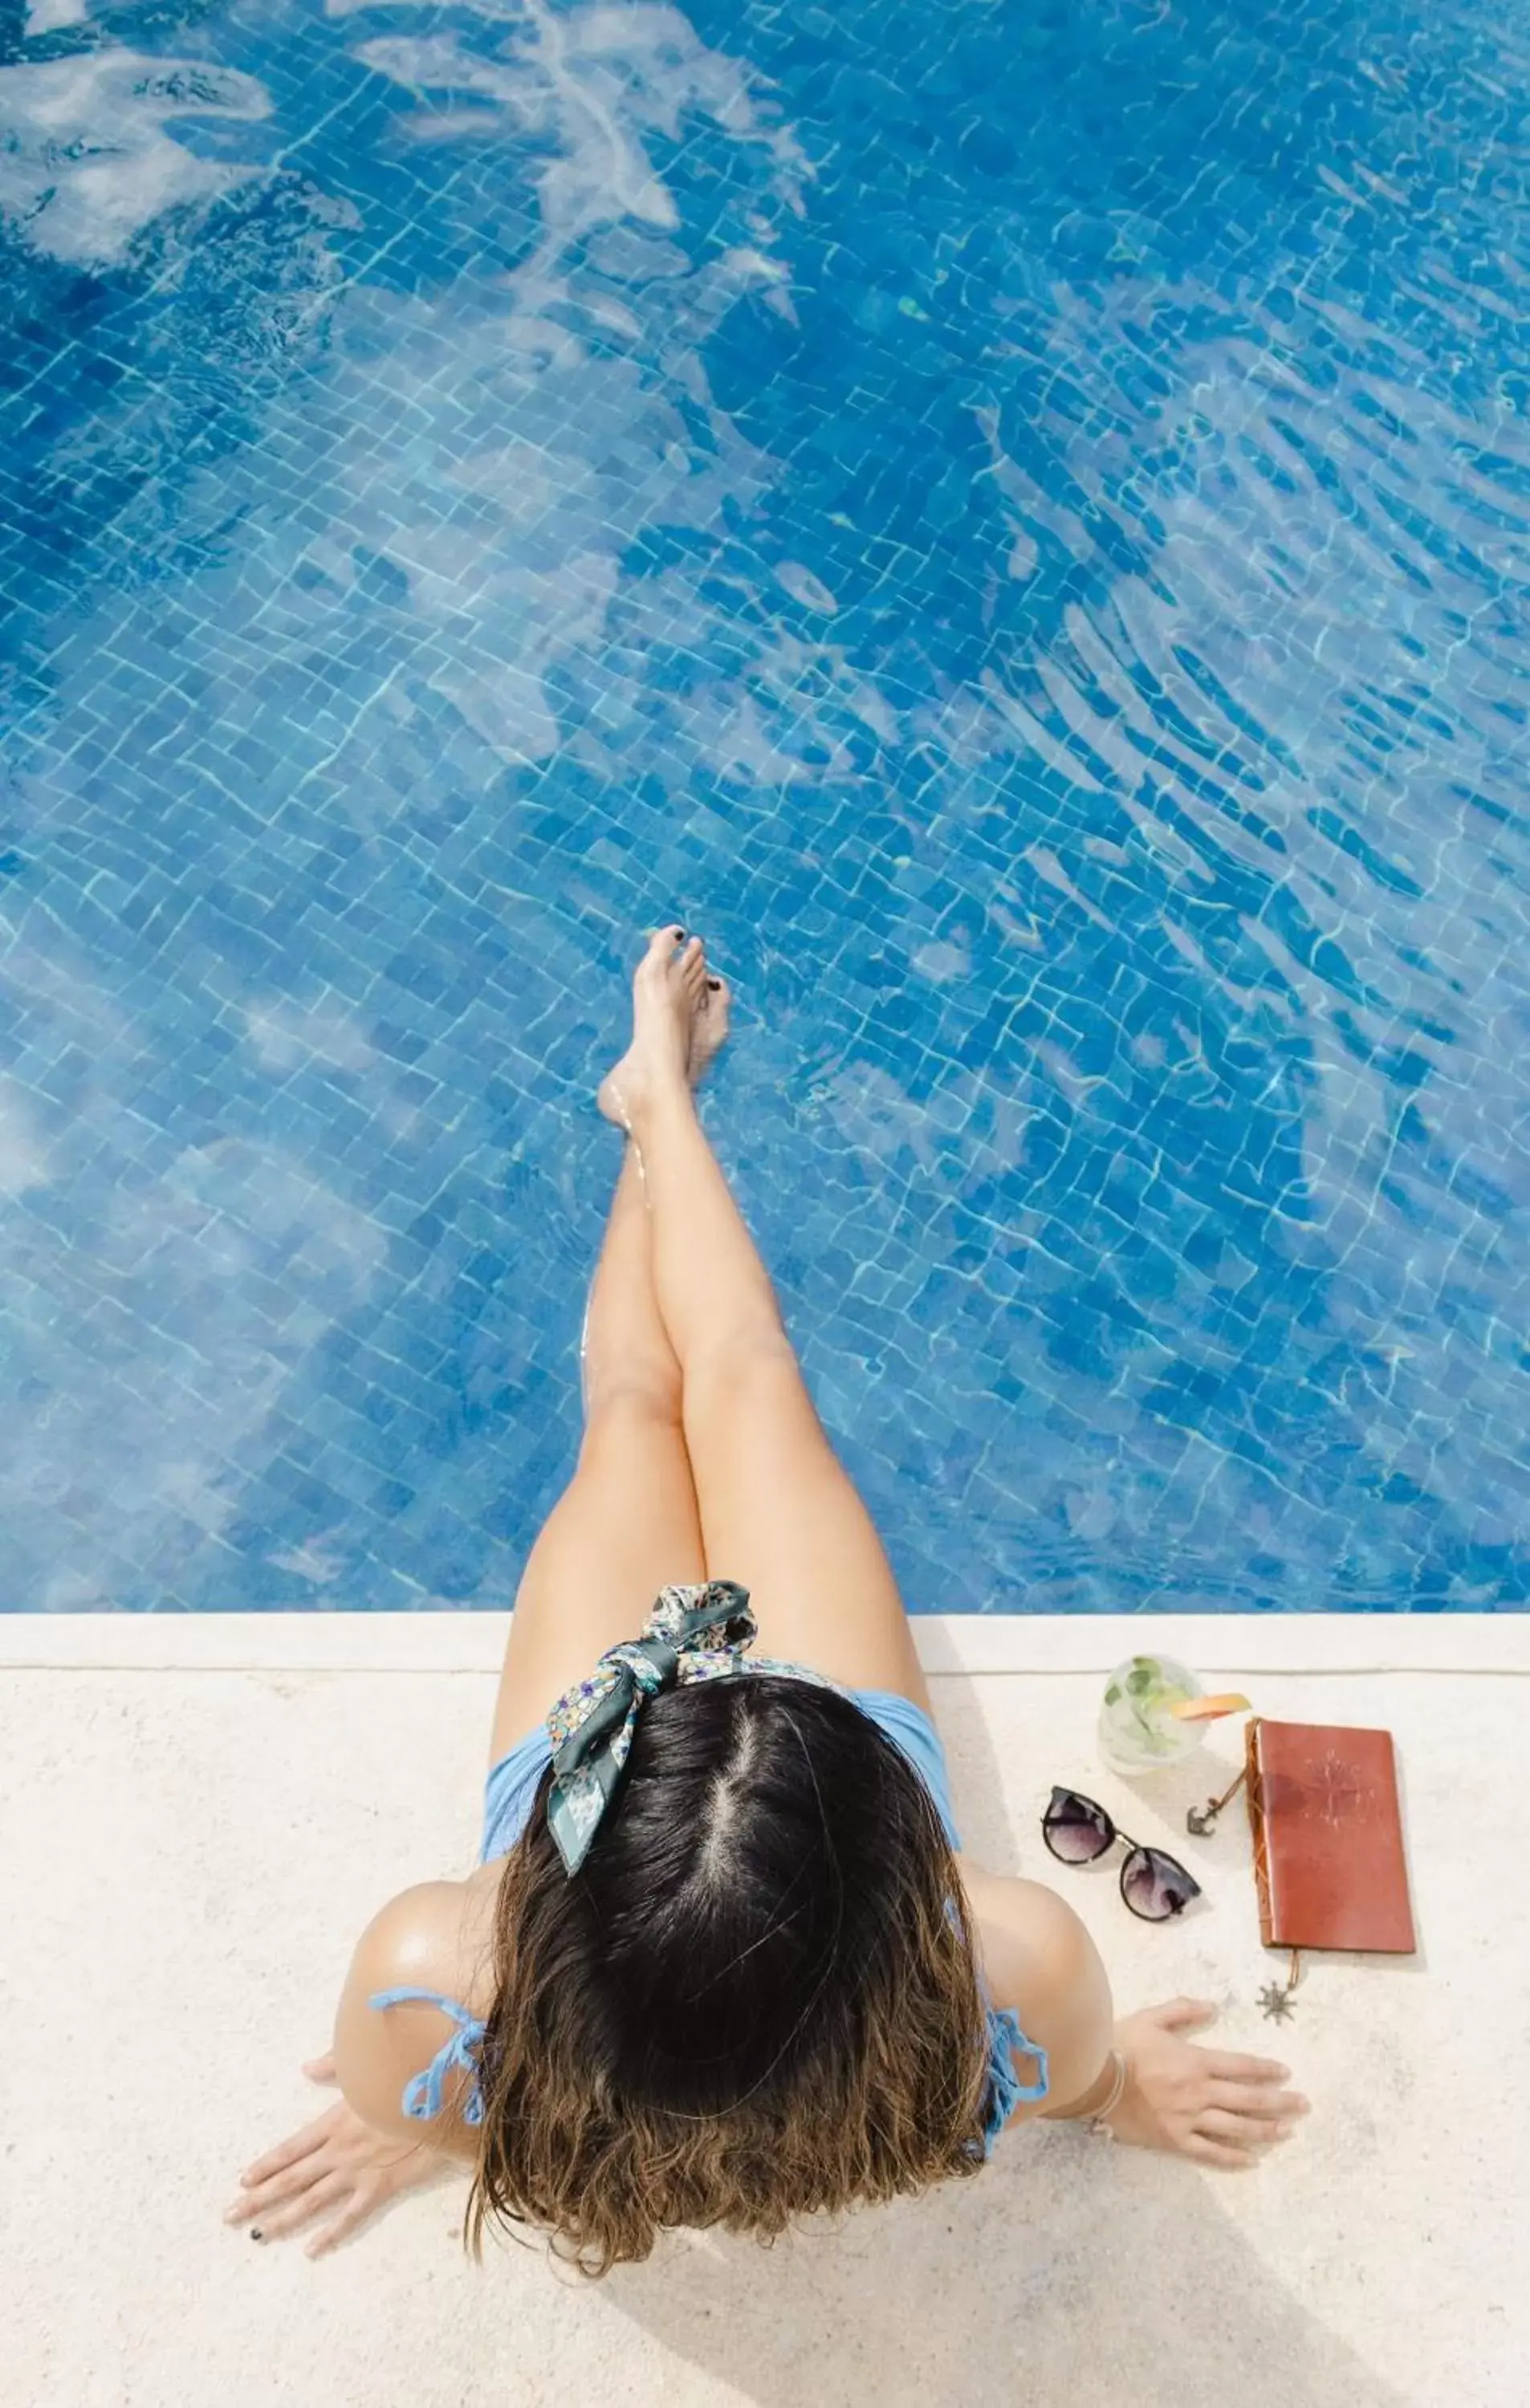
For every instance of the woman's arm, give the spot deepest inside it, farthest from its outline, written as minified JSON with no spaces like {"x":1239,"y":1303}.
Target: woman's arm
{"x":334,"y":2173}
{"x":1213,"y":2105}
{"x":1040,"y":1962}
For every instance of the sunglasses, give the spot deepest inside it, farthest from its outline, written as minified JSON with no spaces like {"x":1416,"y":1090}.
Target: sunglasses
{"x":1152,"y":1884}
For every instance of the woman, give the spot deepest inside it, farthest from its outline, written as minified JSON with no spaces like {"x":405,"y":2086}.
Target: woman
{"x":723,"y":1962}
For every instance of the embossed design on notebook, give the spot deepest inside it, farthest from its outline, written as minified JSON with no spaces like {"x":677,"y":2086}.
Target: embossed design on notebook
{"x":1337,"y":1793}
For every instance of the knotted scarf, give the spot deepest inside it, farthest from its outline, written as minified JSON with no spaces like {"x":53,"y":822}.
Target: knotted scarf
{"x":696,"y":1632}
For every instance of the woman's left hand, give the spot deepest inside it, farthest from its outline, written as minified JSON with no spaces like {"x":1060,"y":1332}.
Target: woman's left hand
{"x":1219,"y":2108}
{"x":337,"y":2168}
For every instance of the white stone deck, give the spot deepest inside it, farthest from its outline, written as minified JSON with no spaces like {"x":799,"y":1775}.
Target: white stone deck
{"x":198,"y":1814}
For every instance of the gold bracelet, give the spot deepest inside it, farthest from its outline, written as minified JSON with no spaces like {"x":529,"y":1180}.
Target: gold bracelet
{"x":1097,"y":2123}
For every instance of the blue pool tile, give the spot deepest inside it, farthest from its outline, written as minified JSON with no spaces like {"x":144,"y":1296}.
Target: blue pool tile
{"x":1052,"y":617}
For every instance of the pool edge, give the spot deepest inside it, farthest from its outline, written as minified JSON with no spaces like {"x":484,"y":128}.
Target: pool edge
{"x":968,"y":1644}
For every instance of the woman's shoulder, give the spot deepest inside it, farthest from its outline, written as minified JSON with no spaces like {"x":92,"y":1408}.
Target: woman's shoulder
{"x":1031,"y":1938}
{"x":433,"y":1941}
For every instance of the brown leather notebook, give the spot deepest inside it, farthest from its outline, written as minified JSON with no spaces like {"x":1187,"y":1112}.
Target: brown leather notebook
{"x":1327,"y":1838}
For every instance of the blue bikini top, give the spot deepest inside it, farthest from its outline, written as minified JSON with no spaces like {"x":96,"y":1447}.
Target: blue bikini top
{"x":425,"y":2093}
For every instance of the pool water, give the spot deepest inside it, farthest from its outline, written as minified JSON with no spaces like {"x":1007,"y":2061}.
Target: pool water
{"x":1012,"y":520}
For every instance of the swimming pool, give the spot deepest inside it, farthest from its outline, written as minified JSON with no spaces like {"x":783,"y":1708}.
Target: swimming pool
{"x":1012,"y":521}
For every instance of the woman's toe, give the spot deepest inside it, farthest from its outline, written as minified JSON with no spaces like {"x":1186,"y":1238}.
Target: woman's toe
{"x":661,"y":948}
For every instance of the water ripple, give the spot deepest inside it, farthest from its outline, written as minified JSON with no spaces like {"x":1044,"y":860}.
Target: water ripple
{"x":1019,"y":527}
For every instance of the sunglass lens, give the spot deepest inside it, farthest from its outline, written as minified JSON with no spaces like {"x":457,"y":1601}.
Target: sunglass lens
{"x":1154,"y":1886}
{"x":1075,"y":1829}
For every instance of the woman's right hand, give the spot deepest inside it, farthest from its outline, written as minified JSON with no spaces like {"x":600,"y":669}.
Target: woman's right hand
{"x":1205,"y":2103}
{"x":337,"y":2168}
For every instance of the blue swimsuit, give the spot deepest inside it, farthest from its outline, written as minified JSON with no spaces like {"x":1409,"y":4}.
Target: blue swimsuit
{"x":512,"y":1785}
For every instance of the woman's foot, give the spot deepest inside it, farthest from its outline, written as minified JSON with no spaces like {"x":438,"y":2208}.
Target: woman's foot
{"x":680,"y":1018}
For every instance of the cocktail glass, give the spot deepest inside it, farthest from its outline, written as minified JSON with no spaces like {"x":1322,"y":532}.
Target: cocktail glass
{"x":1138,"y":1731}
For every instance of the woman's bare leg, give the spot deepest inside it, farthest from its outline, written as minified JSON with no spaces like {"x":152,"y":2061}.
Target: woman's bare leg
{"x":778,"y":1510}
{"x":627,"y":1523}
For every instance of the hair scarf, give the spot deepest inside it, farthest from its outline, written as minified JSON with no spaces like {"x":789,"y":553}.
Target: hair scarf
{"x":697,"y":1631}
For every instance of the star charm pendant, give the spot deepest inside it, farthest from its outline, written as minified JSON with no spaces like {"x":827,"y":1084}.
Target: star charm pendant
{"x":1276,"y":2003}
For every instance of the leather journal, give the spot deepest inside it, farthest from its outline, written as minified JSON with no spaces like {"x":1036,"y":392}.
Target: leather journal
{"x":1328,"y":1853}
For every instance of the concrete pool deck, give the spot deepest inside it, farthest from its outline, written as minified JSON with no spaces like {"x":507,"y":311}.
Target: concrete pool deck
{"x":199,"y":1813}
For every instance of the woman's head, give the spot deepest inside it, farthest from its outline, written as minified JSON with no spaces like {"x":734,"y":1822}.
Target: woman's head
{"x":756,"y":1997}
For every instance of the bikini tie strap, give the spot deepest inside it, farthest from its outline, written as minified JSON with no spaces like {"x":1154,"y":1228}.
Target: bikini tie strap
{"x":424,"y":2094}
{"x":697,"y":1631}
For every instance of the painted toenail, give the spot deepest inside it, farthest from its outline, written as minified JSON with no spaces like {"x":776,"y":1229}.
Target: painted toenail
{"x":716,"y":985}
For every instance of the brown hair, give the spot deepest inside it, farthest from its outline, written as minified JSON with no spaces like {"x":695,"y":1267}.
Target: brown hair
{"x":757,"y":1996}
